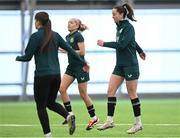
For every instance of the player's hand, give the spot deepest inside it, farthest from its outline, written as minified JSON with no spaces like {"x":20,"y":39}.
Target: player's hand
{"x":142,"y":56}
{"x":17,"y":58}
{"x":62,"y":50}
{"x":86,"y":67}
{"x":100,"y":42}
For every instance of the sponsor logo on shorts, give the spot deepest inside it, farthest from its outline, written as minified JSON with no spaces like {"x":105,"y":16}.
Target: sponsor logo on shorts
{"x":82,"y":78}
{"x":129,"y":75}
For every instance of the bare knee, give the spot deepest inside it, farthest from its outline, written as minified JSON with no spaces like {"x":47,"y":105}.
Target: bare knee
{"x":83,"y":95}
{"x":132,"y":93}
{"x":111,"y":92}
{"x":62,"y":90}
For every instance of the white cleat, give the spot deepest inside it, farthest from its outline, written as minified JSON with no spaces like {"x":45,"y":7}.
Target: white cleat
{"x":135,"y":128}
{"x":48,"y":135}
{"x":71,"y":123}
{"x":106,"y":125}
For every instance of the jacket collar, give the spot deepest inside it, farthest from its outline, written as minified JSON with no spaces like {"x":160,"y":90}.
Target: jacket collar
{"x":120,"y":23}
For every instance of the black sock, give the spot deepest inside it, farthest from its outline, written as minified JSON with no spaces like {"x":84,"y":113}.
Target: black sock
{"x":136,"y":107}
{"x":67,"y":106}
{"x":111,"y":105}
{"x":91,"y":110}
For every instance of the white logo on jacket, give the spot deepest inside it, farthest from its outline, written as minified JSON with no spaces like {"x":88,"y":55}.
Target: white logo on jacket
{"x":120,"y":31}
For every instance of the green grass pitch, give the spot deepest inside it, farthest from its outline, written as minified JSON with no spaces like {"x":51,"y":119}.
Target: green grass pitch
{"x":161,"y":118}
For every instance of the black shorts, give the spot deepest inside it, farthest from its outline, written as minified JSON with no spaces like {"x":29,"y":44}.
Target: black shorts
{"x":78,"y":73}
{"x":128,"y":72}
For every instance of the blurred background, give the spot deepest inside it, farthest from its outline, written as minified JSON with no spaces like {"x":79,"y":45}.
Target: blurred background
{"x":157,"y":32}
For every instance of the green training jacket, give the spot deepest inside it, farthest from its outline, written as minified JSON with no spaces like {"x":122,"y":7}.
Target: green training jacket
{"x":125,"y":45}
{"x":46,"y":63}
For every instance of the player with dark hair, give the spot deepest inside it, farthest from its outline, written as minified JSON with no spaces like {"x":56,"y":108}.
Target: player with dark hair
{"x":44,"y":45}
{"x":126,"y":67}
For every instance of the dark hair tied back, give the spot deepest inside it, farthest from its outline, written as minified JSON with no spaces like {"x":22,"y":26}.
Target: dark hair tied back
{"x":128,"y":11}
{"x":43,"y":17}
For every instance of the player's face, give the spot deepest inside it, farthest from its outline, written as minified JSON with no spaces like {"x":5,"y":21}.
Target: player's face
{"x":37,"y":24}
{"x":116,"y":16}
{"x":72,"y":25}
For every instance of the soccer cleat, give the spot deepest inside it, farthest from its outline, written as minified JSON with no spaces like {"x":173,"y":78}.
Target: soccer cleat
{"x":92,"y":123}
{"x":65,"y":122}
{"x":135,"y":128}
{"x":48,"y":135}
{"x":106,"y":125}
{"x":71,"y":124}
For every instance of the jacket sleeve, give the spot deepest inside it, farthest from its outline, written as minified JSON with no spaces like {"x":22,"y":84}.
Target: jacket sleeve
{"x":128,"y":34}
{"x":30,"y":50}
{"x":65,"y":46}
{"x":138,"y":48}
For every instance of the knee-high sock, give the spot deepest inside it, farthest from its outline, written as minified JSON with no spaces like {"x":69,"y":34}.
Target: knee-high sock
{"x":111,"y":106}
{"x":136,"y":107}
{"x":67,"y":106}
{"x":91,"y":110}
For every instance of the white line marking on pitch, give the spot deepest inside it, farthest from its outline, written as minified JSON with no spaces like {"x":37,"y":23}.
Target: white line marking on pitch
{"x":30,"y":125}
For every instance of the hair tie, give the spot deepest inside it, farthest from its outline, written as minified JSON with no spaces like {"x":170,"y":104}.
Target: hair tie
{"x":127,"y":12}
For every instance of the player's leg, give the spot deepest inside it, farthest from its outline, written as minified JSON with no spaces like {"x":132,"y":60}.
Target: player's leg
{"x":52,"y":104}
{"x":114,"y":83}
{"x":66,"y":81}
{"x":90,"y":107}
{"x":55,"y":81}
{"x":132,"y":75}
{"x":131,"y":87}
{"x":41,"y":92}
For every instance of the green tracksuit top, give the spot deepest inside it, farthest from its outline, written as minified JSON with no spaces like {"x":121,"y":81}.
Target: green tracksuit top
{"x":73,"y":40}
{"x":46,"y":63}
{"x":125,"y":45}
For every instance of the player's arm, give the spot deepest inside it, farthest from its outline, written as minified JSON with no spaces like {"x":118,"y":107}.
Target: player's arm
{"x":81,"y":50}
{"x":123,"y":42}
{"x":140,"y":51}
{"x":30,"y":49}
{"x":62,"y":50}
{"x":62,"y":44}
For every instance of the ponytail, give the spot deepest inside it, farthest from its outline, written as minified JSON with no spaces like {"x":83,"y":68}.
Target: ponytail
{"x":129,"y":12}
{"x":48,"y":37}
{"x":82,"y":27}
{"x":126,"y":10}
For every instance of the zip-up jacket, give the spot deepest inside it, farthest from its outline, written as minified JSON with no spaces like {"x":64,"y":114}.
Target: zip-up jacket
{"x":46,"y":63}
{"x":125,"y":44}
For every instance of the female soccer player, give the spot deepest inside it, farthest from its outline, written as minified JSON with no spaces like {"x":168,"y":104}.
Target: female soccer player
{"x":74,"y":71}
{"x":126,"y":67}
{"x":44,"y":45}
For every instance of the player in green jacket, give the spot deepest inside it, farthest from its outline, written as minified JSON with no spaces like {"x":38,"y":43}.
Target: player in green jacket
{"x":74,"y":71}
{"x":126,"y":67}
{"x":44,"y":45}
